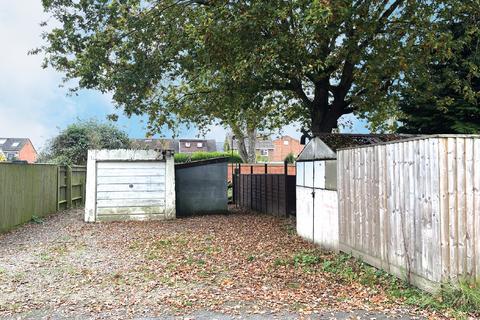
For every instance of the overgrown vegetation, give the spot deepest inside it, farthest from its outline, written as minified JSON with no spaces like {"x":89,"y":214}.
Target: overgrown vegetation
{"x":196,"y":156}
{"x":72,"y":144}
{"x":290,"y":158}
{"x":459,"y":301}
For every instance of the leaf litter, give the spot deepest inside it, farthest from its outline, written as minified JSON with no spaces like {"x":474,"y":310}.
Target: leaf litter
{"x":237,"y":264}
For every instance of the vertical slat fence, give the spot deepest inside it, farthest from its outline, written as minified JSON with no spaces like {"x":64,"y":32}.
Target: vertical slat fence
{"x":412,"y":207}
{"x":36,"y":190}
{"x":267,"y":193}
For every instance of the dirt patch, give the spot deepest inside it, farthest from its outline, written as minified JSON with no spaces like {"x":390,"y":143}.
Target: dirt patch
{"x":234,"y":265}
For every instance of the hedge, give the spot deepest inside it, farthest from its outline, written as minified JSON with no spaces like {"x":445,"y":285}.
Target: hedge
{"x":188,"y":157}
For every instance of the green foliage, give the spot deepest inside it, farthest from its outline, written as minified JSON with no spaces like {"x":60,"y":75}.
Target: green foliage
{"x":290,"y":158}
{"x":72,"y":144}
{"x":196,"y":156}
{"x":261,"y":158}
{"x":464,"y":297}
{"x":442,"y":93}
{"x":226,"y":145}
{"x":36,"y":219}
{"x":248,"y":64}
{"x":2,"y":157}
{"x":305,"y":259}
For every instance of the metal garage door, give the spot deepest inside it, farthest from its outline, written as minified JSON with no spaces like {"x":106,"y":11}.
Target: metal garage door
{"x":130,"y":188}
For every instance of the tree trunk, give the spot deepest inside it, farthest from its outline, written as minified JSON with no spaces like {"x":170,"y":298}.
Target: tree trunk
{"x":242,"y":149}
{"x":252,"y":143}
{"x":246,"y":152}
{"x":324,"y":117}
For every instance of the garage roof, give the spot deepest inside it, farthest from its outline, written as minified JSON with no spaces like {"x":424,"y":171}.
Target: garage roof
{"x":325,"y":146}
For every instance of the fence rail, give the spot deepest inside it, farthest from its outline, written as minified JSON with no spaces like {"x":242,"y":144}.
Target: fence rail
{"x":28,"y":190}
{"x":267,"y":193}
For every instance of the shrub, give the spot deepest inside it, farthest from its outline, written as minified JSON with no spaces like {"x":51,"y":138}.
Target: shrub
{"x":71,"y":145}
{"x":2,"y":157}
{"x":196,"y":156}
{"x":290,"y":158}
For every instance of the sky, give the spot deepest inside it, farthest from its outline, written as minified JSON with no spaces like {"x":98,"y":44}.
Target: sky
{"x":32,"y":105}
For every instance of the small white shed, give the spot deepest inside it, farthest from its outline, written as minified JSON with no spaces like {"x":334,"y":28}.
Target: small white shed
{"x":130,"y":185}
{"x":317,"y":202}
{"x":317,"y":198}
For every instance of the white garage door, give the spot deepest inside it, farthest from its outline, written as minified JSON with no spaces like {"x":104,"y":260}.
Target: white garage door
{"x":130,"y":188}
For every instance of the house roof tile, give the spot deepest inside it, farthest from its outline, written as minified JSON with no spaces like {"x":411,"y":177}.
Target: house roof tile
{"x":13,"y":144}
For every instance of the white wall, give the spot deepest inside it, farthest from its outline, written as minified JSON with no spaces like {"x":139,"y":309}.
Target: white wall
{"x":326,"y":219}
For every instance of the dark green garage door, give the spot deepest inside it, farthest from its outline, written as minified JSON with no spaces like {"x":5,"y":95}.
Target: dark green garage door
{"x":201,"y":187}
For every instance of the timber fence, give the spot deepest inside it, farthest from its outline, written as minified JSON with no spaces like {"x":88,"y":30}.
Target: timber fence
{"x":265,"y":192}
{"x":36,"y":190}
{"x":412,"y":207}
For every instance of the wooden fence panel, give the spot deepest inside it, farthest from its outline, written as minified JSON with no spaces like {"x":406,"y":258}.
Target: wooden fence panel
{"x":78,"y":180}
{"x":413,"y":207}
{"x":267,"y":193}
{"x":36,"y":190}
{"x":26,"y":191}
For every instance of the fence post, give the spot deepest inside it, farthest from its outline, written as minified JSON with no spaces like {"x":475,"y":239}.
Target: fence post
{"x":59,"y":186}
{"x":240,"y":186}
{"x":251,"y":186}
{"x":285,"y":177}
{"x":68,"y":192}
{"x":235,"y":185}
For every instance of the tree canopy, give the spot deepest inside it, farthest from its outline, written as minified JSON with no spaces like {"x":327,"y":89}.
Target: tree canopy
{"x":442,"y":93}
{"x":203,"y":61}
{"x":71,"y":146}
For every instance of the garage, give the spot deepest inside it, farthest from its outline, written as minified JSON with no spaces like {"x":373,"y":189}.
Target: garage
{"x":130,"y":185}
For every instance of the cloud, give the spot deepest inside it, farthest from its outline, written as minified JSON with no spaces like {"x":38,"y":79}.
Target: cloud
{"x":31,"y":103}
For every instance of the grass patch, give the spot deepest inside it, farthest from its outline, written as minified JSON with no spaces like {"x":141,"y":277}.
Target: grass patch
{"x":465,"y":297}
{"x":458,"y":301}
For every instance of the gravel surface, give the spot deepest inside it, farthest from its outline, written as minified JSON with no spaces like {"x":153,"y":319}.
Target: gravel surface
{"x":209,"y":267}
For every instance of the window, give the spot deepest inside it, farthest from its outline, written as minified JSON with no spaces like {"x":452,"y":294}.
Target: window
{"x":2,"y":141}
{"x":11,"y":156}
{"x":264,"y":152}
{"x":187,"y":144}
{"x":285,"y":142}
{"x":15,"y":144}
{"x":199,"y":145}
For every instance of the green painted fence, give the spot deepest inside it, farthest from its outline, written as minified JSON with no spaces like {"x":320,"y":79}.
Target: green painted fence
{"x":28,"y":190}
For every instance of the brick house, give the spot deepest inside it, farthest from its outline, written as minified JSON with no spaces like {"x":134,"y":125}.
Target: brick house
{"x":275,"y":150}
{"x":18,"y":149}
{"x":283,"y":146}
{"x":196,"y":145}
{"x":178,"y":145}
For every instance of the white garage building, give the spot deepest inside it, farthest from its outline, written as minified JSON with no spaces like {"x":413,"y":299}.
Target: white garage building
{"x":130,"y":185}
